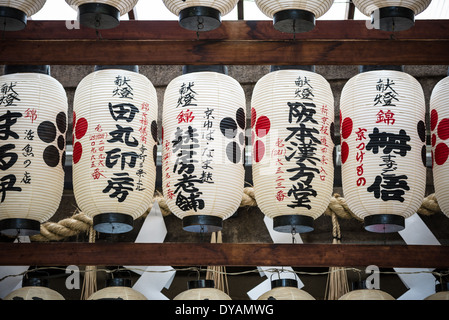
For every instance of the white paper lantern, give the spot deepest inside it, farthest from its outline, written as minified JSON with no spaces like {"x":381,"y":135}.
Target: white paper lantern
{"x":117,"y":289}
{"x":33,"y":125}
{"x":442,"y":292}
{"x":34,"y":289}
{"x":101,"y":14}
{"x":439,"y":126}
{"x":367,"y":294}
{"x":392,"y":15}
{"x":294,"y":16}
{"x":114,"y":147}
{"x":203,"y":125}
{"x":285,"y":289}
{"x":14,"y":13}
{"x":383,"y":149}
{"x":202,"y":290}
{"x":292,"y":114}
{"x":200,"y":15}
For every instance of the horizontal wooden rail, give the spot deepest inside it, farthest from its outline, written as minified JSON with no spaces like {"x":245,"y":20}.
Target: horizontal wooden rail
{"x":347,"y":42}
{"x":226,"y":254}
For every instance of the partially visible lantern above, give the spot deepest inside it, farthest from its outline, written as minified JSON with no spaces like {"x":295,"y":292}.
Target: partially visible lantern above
{"x":383,"y":147}
{"x":285,"y":289}
{"x":14,"y":13}
{"x":114,"y":146}
{"x":117,"y":289}
{"x":200,"y":15}
{"x":203,"y":148}
{"x":392,"y":15}
{"x":292,"y":113}
{"x":439,"y":126}
{"x":33,"y":125}
{"x":294,"y":16}
{"x":101,"y":14}
{"x":202,"y":290}
{"x":367,"y":294}
{"x":34,"y":289}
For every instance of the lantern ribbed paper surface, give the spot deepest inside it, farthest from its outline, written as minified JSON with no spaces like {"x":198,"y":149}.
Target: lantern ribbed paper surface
{"x":200,"y":15}
{"x":34,"y":293}
{"x":33,"y":125}
{"x":366,"y":294}
{"x":203,"y":148}
{"x":383,"y":150}
{"x":101,"y":14}
{"x":292,"y":114}
{"x":392,"y":15}
{"x":14,"y":13}
{"x":294,"y":15}
{"x":286,"y":293}
{"x":117,"y":293}
{"x":114,"y":147}
{"x":439,"y":126}
{"x":29,"y":7}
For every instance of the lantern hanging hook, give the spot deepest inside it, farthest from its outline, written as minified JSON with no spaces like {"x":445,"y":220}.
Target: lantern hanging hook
{"x":293,"y":234}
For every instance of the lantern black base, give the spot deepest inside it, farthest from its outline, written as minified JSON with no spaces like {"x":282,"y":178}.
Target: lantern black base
{"x":294,"y":21}
{"x":293,"y":224}
{"x":12,"y":19}
{"x":98,"y":16}
{"x":202,"y":223}
{"x":20,"y":227}
{"x":200,"y":18}
{"x":284,"y":283}
{"x":367,"y":68}
{"x":384,"y":223}
{"x":113,"y":222}
{"x":195,"y":284}
{"x":393,"y":18}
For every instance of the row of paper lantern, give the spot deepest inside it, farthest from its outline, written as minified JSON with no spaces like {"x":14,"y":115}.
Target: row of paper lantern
{"x":282,"y":289}
{"x":291,"y":16}
{"x":383,"y":147}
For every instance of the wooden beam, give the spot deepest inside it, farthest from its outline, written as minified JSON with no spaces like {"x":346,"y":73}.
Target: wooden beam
{"x":226,"y":254}
{"x":234,"y":43}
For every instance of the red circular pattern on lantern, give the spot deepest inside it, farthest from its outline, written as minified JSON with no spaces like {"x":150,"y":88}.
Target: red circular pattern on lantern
{"x":344,"y":151}
{"x":80,"y":128}
{"x":346,"y":128}
{"x":434,"y":139}
{"x":262,"y":126}
{"x":77,"y":152}
{"x":441,"y":153}
{"x":259,"y":150}
{"x":253,"y":117}
{"x":443,"y":129}
{"x":433,"y":119}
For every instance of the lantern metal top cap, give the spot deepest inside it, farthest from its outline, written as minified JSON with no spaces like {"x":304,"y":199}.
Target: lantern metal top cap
{"x":19,"y":227}
{"x":200,"y":18}
{"x":118,"y":282}
{"x":11,"y":69}
{"x":367,"y":68}
{"x":310,"y":68}
{"x":205,"y":68}
{"x":132,"y":68}
{"x":284,"y":283}
{"x":196,"y":284}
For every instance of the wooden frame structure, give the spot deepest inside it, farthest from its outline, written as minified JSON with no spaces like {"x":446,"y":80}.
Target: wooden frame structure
{"x":346,"y":42}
